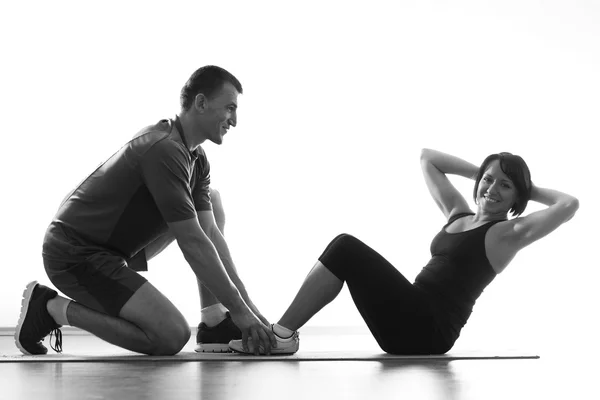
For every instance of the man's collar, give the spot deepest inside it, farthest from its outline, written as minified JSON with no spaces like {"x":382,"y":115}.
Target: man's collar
{"x":179,"y":127}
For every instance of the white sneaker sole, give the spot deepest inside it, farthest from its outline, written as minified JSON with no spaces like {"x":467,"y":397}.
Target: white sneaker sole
{"x":24,"y":307}
{"x":289,"y":349}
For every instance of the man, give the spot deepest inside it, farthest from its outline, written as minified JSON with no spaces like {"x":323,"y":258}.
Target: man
{"x":154,"y":190}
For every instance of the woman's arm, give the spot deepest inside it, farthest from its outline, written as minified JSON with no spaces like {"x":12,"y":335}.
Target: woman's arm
{"x":435,"y":165}
{"x":449,"y":164}
{"x":561,"y":208}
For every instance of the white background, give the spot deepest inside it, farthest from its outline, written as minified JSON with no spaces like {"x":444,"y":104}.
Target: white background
{"x":339,"y":98}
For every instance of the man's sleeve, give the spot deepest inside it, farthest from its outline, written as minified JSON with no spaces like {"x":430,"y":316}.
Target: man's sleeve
{"x":166,"y":171}
{"x":201,"y":192}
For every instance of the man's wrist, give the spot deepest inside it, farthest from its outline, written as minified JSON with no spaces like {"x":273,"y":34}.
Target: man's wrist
{"x":237,"y":305}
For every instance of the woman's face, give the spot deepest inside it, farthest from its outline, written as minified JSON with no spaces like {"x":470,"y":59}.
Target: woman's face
{"x":496,"y":193}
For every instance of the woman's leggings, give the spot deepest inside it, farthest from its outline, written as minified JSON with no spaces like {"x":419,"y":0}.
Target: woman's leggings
{"x":401,"y":316}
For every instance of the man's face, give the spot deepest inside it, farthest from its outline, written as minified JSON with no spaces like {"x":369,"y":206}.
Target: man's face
{"x":220,"y":113}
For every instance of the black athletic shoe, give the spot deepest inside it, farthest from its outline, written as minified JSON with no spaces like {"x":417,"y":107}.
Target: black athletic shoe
{"x":217,"y":338}
{"x":35,"y":323}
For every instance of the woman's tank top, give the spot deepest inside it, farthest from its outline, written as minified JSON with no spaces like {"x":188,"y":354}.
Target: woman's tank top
{"x":458,"y":271}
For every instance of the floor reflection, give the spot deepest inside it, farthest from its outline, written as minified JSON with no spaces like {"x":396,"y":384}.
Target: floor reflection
{"x":422,"y":380}
{"x":291,"y":380}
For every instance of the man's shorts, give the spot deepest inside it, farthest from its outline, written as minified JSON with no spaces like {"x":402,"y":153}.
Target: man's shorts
{"x":102,"y":281}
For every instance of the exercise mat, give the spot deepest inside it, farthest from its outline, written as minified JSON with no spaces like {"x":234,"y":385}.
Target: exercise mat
{"x":191,"y":356}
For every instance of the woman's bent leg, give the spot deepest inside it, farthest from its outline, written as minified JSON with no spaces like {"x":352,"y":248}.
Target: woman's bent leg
{"x":398,"y":314}
{"x":319,"y":288}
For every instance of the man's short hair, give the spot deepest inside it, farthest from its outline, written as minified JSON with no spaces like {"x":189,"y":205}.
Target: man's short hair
{"x":206,"y":80}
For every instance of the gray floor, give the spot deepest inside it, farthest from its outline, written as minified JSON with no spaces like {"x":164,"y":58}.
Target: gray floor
{"x":547,"y":377}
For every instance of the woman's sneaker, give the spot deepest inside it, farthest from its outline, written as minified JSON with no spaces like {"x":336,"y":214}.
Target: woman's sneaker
{"x":35,"y":322}
{"x":284,"y":345}
{"x":217,"y":338}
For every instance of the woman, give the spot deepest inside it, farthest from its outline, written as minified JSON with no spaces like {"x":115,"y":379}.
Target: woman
{"x":426,"y":317}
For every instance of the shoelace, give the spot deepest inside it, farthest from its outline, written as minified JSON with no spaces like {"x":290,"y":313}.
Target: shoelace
{"x":57,"y":333}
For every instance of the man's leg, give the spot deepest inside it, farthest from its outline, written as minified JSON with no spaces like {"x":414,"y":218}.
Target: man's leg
{"x":216,"y":328}
{"x":208,"y":301}
{"x":148,"y":323}
{"x":110,"y":301}
{"x":213,"y":312}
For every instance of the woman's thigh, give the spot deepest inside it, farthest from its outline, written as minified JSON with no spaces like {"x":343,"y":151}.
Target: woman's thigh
{"x":399,"y":315}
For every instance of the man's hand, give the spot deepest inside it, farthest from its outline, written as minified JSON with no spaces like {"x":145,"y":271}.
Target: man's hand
{"x":252,"y":327}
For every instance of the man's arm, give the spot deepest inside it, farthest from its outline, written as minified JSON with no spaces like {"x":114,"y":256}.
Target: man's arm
{"x":161,"y":243}
{"x":208,"y":224}
{"x":202,"y":256}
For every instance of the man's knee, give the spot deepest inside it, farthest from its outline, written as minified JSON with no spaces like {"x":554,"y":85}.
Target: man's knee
{"x":214,"y":193}
{"x":218,"y":210}
{"x":215,"y":199}
{"x":171,"y":341}
{"x":165,"y":328}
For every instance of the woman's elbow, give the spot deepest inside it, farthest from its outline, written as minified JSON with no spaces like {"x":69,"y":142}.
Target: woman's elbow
{"x":572,"y":205}
{"x":425,"y":153}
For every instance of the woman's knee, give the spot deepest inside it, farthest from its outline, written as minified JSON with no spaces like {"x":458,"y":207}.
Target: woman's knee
{"x":342,"y":255}
{"x":344,"y":242}
{"x":347,"y":247}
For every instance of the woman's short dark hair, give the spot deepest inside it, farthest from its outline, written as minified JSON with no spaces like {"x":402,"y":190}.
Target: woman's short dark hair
{"x":517,"y":170}
{"x":206,"y":80}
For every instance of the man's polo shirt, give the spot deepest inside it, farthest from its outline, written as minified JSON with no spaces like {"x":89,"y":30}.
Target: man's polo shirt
{"x":125,"y":204}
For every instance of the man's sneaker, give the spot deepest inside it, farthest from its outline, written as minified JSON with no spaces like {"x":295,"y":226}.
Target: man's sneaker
{"x":217,"y":338}
{"x":284,"y":345}
{"x":35,"y":323}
